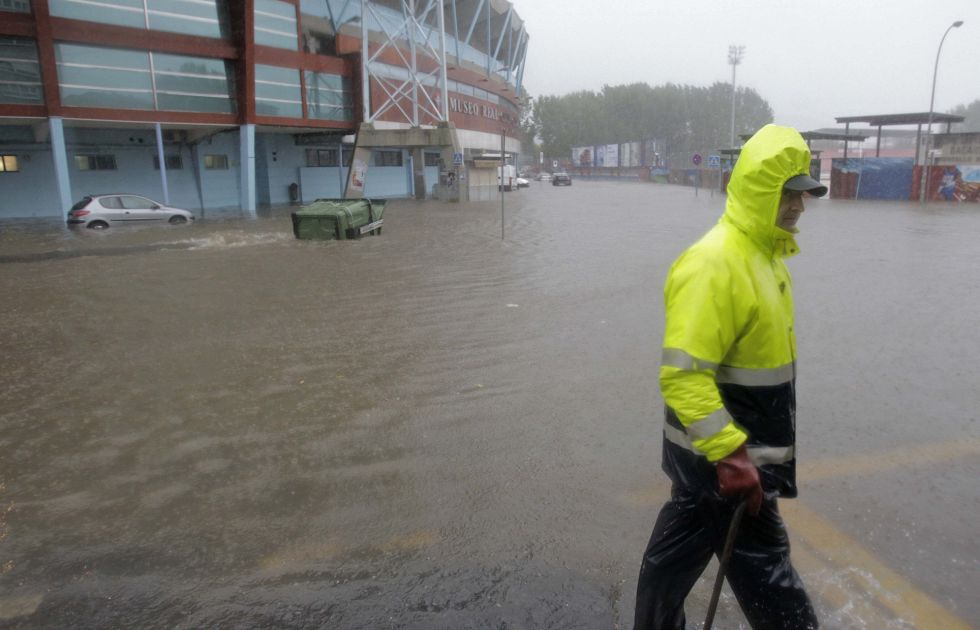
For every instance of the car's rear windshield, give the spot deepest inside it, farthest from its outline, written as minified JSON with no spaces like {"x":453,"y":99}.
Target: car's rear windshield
{"x":81,"y":204}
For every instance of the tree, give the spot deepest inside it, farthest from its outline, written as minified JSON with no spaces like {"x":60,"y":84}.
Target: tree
{"x":686,"y":118}
{"x":972,"y":114}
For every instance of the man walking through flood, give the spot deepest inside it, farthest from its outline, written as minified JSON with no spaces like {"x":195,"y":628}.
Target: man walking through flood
{"x":728,"y":378}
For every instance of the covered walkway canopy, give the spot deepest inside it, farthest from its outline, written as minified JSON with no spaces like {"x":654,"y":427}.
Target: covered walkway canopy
{"x":809,"y":136}
{"x":888,"y":120}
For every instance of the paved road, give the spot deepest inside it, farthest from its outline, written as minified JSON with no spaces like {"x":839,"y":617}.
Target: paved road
{"x":218,"y":425}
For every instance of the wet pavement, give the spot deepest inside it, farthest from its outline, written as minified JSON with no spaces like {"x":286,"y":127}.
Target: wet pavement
{"x":216,"y":425}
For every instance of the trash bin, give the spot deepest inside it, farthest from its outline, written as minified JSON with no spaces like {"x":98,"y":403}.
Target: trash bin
{"x":327,"y":219}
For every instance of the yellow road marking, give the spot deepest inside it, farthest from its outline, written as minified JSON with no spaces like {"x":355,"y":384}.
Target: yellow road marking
{"x":293,"y":556}
{"x":851,"y":578}
{"x":410,"y":542}
{"x":301,"y":555}
{"x":902,"y":456}
{"x":889,"y":589}
{"x":14,"y":606}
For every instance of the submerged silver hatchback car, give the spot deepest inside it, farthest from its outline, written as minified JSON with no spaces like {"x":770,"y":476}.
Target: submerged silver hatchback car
{"x":101,"y":211}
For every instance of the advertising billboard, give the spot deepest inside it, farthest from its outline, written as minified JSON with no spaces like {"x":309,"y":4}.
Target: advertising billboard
{"x":582,"y":156}
{"x":629,"y":154}
{"x":607,"y":155}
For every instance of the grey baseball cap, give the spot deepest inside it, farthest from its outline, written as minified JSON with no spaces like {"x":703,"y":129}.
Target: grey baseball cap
{"x":805,"y":183}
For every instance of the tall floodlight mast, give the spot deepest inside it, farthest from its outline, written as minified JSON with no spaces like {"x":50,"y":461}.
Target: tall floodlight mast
{"x":735,"y":54}
{"x":924,"y":194}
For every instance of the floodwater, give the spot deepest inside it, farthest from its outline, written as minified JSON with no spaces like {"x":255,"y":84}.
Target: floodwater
{"x":217,"y":425}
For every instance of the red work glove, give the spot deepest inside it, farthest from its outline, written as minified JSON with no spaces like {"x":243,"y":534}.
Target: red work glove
{"x":738,"y":477}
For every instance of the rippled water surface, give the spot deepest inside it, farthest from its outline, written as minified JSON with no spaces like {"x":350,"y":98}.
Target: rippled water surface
{"x":217,"y":425}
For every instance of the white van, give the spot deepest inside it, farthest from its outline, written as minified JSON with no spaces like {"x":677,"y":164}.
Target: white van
{"x":509,"y":172}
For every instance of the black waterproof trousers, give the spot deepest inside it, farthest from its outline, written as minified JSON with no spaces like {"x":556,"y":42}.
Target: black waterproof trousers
{"x":691,"y":527}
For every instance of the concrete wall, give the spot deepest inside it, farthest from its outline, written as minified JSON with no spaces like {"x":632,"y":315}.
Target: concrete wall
{"x":32,"y":192}
{"x":220,"y":188}
{"x":388,"y":181}
{"x":284,"y":162}
{"x":323,"y":182}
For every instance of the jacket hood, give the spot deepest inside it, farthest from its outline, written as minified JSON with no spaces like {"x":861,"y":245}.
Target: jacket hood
{"x":768,"y":159}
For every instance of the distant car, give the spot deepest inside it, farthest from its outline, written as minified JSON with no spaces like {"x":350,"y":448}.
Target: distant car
{"x":543,"y":177}
{"x":561,"y":179}
{"x":522,"y":182}
{"x":99,"y":212}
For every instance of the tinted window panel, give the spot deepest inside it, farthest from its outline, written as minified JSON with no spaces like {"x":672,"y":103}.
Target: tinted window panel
{"x":16,"y":6}
{"x":189,"y":103}
{"x":104,"y":77}
{"x":269,"y":108}
{"x":118,"y":12}
{"x":188,"y":65}
{"x":275,"y":24}
{"x":277,"y":92}
{"x":20,"y":72}
{"x":105,"y":57}
{"x":99,"y":77}
{"x":196,"y":85}
{"x":89,"y":97}
{"x":216,"y":162}
{"x":206,"y":18}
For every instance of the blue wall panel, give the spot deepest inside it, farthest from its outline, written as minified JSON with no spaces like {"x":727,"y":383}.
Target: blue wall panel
{"x":32,"y":191}
{"x":431,"y":179}
{"x":387,"y":181}
{"x":878,"y":178}
{"x":283,"y":163}
{"x":220,"y":187}
{"x":322,"y":183}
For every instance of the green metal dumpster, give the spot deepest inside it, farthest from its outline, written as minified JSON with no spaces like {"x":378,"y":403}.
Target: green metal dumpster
{"x":340,"y":219}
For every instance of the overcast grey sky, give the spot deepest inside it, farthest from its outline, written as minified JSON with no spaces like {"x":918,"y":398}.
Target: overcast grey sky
{"x":812,"y":61}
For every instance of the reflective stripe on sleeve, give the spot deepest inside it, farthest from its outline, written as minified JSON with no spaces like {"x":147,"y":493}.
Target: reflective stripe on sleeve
{"x":709,"y":425}
{"x":761,"y":455}
{"x":753,"y":377}
{"x":678,"y":437}
{"x":677,"y":358}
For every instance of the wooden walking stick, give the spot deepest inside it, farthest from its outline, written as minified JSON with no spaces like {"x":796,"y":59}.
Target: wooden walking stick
{"x":726,"y":555}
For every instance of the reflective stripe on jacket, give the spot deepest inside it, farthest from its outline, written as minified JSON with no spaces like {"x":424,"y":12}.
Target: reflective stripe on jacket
{"x":728,"y":367}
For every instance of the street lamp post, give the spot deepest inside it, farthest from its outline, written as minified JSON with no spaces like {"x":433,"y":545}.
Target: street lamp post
{"x":924,"y":193}
{"x":734,"y":58}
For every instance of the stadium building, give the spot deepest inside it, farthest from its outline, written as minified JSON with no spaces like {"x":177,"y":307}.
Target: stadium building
{"x":213,"y":105}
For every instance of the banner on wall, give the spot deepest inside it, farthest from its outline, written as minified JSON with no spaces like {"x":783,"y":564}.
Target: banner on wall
{"x":582,"y":156}
{"x":629,"y":154}
{"x":357,"y":175}
{"x":607,"y":155}
{"x":956,"y":182}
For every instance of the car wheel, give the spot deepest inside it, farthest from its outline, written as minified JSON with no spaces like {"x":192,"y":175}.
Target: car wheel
{"x":177,"y":220}
{"x":97,"y":225}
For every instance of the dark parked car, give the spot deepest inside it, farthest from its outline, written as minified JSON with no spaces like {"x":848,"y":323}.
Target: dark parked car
{"x":561,"y":179}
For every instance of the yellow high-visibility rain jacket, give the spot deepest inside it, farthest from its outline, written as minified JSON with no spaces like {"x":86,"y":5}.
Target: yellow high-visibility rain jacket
{"x":728,"y":368}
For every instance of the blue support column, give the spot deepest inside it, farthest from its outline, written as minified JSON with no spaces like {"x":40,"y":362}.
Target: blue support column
{"x":246,"y":142}
{"x":60,"y":155}
{"x":163,"y":166}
